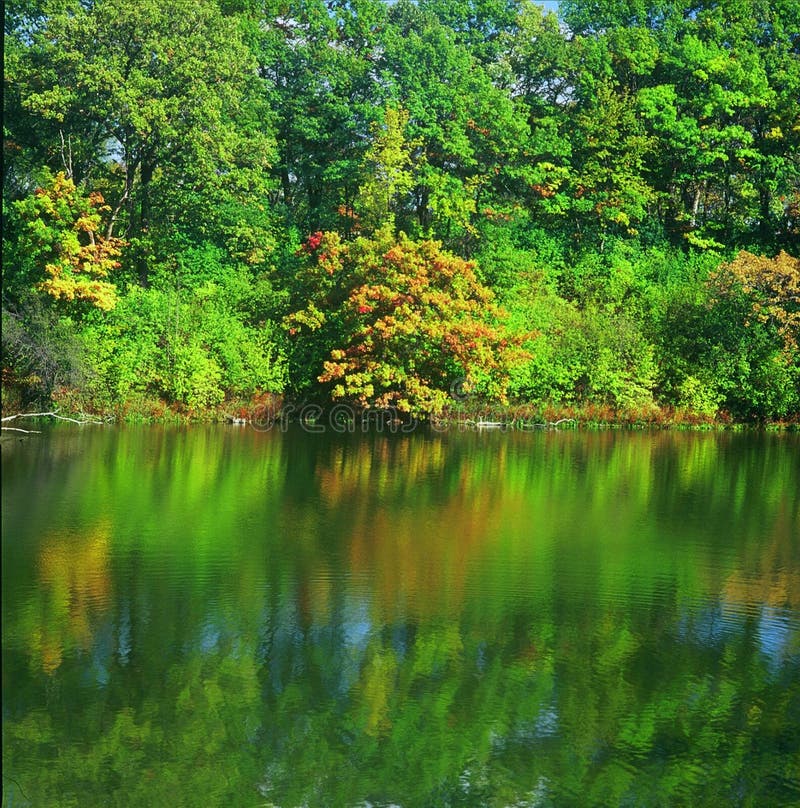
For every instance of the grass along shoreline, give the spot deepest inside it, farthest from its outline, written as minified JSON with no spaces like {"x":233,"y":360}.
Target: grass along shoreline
{"x":268,"y":409}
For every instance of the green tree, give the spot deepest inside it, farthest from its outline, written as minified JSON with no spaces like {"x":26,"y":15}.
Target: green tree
{"x":481,"y":25}
{"x":608,"y":186}
{"x":389,"y":178}
{"x":712,"y":82}
{"x":317,"y":62}
{"x":467,"y":128}
{"x":145,"y":94}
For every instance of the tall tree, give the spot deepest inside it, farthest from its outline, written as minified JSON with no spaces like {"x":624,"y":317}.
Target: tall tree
{"x":140,"y":94}
{"x":468,"y":130}
{"x":716,"y":84}
{"x":317,"y":61}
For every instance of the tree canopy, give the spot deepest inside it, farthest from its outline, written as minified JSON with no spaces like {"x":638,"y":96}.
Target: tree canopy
{"x":593,"y":171}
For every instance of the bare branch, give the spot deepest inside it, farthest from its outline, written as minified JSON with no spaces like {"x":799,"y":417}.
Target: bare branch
{"x":115,"y":213}
{"x":66,"y":153}
{"x":86,"y":419}
{"x":25,"y":415}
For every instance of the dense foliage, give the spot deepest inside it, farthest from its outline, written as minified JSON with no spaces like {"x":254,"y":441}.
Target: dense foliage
{"x":622,"y":183}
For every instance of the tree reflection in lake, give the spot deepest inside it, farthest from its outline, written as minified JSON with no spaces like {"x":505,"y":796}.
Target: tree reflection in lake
{"x":223,"y":617}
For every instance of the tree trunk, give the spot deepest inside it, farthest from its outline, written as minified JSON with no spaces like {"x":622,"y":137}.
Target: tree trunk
{"x":765,"y":217}
{"x":142,"y":260}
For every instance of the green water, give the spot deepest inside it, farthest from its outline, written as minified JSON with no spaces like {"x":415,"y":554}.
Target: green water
{"x":225,"y":617}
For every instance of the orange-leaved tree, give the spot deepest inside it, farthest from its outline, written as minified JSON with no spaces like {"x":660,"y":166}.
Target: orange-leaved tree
{"x":395,"y":323}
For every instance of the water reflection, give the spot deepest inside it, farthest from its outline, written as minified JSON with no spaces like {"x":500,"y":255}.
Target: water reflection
{"x":224,"y":617}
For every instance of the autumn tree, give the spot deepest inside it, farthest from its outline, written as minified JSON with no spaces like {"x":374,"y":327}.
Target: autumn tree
{"x":771,"y":289}
{"x":62,"y":246}
{"x":742,"y":341}
{"x":396,"y":322}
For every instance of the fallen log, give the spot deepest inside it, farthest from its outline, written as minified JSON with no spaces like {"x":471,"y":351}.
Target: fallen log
{"x":50,"y":414}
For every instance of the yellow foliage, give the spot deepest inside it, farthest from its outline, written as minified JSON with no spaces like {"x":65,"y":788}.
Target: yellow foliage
{"x":64,"y":231}
{"x":74,"y":571}
{"x":773,"y":284}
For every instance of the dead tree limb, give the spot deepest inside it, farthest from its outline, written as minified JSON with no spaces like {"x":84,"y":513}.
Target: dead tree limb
{"x":51,"y":414}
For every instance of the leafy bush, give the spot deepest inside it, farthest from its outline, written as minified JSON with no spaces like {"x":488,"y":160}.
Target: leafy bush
{"x":581,"y":353}
{"x":736,"y":335}
{"x":190,"y":348}
{"x":396,"y":322}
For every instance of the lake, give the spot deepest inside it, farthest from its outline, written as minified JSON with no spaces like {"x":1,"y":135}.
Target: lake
{"x":219,"y":616}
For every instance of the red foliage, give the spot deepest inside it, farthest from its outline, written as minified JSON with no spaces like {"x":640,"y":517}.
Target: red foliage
{"x":311,"y":244}
{"x":413,"y":316}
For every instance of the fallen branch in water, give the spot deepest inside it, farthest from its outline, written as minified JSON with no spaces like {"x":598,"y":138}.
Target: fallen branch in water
{"x":51,"y":414}
{"x":510,"y":424}
{"x":547,"y":424}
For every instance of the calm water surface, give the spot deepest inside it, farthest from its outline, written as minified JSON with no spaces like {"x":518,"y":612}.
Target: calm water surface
{"x":222,"y":617}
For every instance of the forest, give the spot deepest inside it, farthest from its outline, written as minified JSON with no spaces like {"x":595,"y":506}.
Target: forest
{"x":209,"y":204}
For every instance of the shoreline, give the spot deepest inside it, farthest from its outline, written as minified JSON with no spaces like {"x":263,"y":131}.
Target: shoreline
{"x":268,"y":411}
